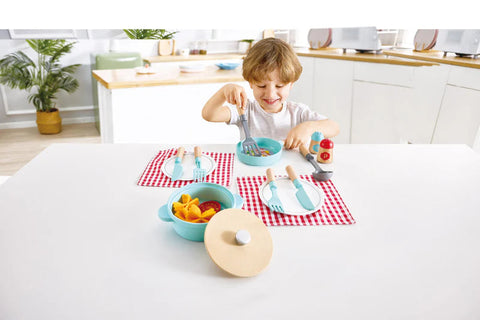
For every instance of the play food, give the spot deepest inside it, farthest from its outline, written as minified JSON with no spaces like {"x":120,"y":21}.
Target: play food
{"x":189,"y":209}
{"x":208,"y":205}
{"x":204,"y":191}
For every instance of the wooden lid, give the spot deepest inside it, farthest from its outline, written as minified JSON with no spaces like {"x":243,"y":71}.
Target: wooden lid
{"x":238,"y":242}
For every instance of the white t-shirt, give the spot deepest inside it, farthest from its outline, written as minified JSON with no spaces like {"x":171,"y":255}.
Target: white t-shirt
{"x":273,"y":125}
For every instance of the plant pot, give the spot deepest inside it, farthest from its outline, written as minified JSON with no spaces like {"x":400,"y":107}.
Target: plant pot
{"x":166,"y":47}
{"x":49,"y":122}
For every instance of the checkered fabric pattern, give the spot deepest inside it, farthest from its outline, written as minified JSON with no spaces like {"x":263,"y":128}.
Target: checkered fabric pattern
{"x":153,"y":176}
{"x":333,"y":211}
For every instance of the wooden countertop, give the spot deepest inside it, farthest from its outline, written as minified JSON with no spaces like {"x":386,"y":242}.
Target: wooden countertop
{"x":332,"y":53}
{"x":435,"y":56}
{"x":171,"y":75}
{"x":165,"y":75}
{"x":195,"y":57}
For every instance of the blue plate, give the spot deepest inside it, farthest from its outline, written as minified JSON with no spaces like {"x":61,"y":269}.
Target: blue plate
{"x":273,"y":146}
{"x":228,"y":65}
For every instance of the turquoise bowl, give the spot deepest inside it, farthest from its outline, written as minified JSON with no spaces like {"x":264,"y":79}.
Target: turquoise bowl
{"x":204,"y":191}
{"x":228,"y":65}
{"x":274,"y":146}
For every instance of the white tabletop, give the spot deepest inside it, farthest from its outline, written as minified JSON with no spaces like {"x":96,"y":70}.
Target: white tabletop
{"x":84,"y":242}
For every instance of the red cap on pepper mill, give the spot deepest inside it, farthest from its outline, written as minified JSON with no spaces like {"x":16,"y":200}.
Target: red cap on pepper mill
{"x":326,"y":144}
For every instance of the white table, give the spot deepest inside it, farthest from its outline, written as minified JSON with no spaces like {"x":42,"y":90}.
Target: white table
{"x":85,"y":242}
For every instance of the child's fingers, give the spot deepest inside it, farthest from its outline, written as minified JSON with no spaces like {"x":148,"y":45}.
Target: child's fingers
{"x":243,"y":96}
{"x":288,"y":142}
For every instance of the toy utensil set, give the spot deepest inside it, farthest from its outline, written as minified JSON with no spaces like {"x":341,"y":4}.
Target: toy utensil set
{"x":275,"y":204}
{"x":319,"y":174}
{"x":199,"y":173}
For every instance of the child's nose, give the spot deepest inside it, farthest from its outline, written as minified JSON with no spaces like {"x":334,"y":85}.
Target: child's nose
{"x":271,"y":91}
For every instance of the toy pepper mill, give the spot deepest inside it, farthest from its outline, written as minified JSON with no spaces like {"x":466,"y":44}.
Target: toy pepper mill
{"x":314,"y":142}
{"x":325,"y":154}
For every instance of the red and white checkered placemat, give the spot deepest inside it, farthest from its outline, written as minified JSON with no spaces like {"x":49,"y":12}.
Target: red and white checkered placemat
{"x":153,"y":176}
{"x":333,"y":211}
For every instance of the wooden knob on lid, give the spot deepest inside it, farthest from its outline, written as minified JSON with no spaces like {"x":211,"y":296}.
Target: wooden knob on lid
{"x":238,"y":242}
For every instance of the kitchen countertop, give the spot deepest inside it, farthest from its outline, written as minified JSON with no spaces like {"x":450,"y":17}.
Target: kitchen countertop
{"x":435,"y":56}
{"x":171,"y":75}
{"x":351,"y":55}
{"x":194,"y":57}
{"x":94,"y":248}
{"x":165,"y":75}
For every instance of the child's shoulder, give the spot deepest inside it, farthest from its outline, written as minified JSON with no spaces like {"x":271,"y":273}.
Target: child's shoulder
{"x":296,"y":105}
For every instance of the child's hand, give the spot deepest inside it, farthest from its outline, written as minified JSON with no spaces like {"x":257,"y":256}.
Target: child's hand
{"x":297,"y":136}
{"x":235,"y":94}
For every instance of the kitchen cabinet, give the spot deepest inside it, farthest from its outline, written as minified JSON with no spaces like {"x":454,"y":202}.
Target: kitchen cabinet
{"x":459,"y":116}
{"x":165,"y":107}
{"x":377,"y":112}
{"x":392,"y":104}
{"x":326,"y":87}
{"x":372,"y":102}
{"x":163,"y":114}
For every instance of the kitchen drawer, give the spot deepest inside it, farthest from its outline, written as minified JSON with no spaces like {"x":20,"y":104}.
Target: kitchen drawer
{"x":384,"y":74}
{"x":464,"y":77}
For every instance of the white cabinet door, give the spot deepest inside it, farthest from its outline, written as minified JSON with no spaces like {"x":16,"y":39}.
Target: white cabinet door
{"x":167,"y":114}
{"x":459,"y":118}
{"x":422,"y":112}
{"x":332,"y":93}
{"x":378,"y":113}
{"x":302,"y":90}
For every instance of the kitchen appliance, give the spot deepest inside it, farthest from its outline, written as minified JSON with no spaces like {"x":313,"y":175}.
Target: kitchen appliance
{"x":319,"y":38}
{"x":463,"y":42}
{"x":425,"y":39}
{"x":362,"y":39}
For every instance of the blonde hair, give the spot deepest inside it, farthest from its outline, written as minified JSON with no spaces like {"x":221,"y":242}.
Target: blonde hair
{"x":268,"y":55}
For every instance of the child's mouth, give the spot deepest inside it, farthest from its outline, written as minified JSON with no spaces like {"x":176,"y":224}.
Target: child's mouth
{"x":270,"y":101}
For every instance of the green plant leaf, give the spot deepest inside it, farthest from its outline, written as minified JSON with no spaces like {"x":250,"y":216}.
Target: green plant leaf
{"x":155,"y":34}
{"x":45,"y":77}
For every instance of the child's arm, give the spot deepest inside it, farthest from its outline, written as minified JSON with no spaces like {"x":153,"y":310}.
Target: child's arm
{"x":302,"y":133}
{"x":215,"y":111}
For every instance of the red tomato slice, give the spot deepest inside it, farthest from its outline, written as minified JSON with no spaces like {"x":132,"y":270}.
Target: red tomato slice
{"x":204,"y":206}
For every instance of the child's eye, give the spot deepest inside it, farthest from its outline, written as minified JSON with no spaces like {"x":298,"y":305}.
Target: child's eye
{"x":261,"y":86}
{"x":280,"y":85}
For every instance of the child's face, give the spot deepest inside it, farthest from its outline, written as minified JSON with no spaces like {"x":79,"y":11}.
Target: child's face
{"x":271,"y":92}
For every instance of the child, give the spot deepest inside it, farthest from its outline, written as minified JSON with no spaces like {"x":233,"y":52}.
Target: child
{"x":271,"y":67}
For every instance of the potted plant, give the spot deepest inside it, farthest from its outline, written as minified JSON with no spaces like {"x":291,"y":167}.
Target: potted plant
{"x":47,"y":77}
{"x":166,"y":43}
{"x":244,"y":45}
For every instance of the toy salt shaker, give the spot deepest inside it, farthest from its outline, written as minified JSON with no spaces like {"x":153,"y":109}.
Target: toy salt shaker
{"x":314,"y":142}
{"x":325,"y":154}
